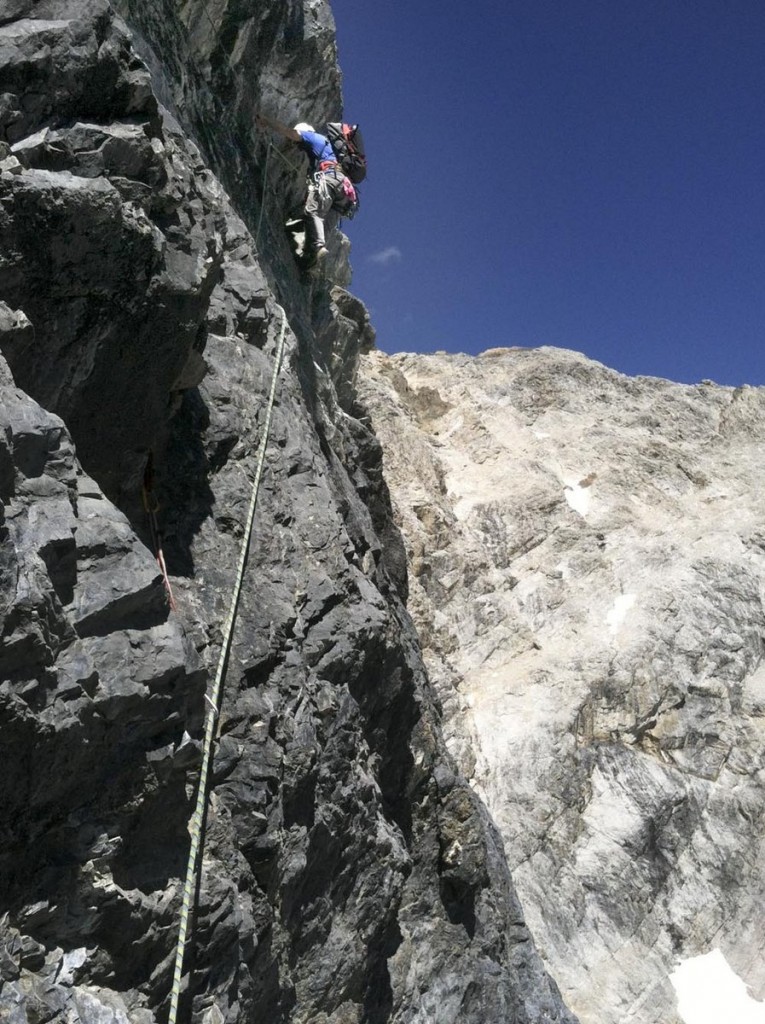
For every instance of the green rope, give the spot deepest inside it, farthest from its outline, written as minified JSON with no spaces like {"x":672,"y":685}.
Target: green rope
{"x":196,"y":825}
{"x":289,"y":163}
{"x":209,"y":16}
{"x":263,"y":196}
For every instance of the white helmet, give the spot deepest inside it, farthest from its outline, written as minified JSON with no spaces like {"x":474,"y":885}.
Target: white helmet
{"x":303,"y":127}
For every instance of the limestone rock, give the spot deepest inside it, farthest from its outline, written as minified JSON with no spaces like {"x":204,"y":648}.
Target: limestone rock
{"x":586,"y":555}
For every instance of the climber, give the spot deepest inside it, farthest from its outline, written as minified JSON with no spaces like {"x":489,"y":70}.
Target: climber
{"x":328,"y":188}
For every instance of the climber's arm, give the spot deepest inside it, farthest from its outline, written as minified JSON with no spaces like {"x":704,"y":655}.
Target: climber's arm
{"x":277,"y":126}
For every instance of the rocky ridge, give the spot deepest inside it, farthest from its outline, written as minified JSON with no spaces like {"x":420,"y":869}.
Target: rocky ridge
{"x":587,"y":560}
{"x":350,"y":873}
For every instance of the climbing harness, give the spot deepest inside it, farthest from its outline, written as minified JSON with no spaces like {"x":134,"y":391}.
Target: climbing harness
{"x":197,"y":823}
{"x":151,"y":506}
{"x":322,"y":187}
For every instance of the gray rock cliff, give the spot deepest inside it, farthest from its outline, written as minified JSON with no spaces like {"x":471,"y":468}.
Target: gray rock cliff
{"x":587,"y":566}
{"x":350,"y":874}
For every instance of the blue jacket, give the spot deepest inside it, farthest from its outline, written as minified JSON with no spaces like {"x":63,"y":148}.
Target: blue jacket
{"x":318,"y":148}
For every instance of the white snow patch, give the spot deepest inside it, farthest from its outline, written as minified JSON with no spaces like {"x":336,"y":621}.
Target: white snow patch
{"x":463,"y":508}
{"x":618,"y":613}
{"x":453,"y":425}
{"x":709,"y":992}
{"x":578,"y":498}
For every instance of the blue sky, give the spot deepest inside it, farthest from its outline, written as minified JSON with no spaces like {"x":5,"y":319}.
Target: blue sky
{"x":581,"y":173}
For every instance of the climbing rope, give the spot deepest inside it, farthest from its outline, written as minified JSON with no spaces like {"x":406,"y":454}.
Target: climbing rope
{"x":214,"y":27}
{"x":196,"y":825}
{"x":270,"y":148}
{"x":263,"y":195}
{"x":292,"y":166}
{"x":151,"y":507}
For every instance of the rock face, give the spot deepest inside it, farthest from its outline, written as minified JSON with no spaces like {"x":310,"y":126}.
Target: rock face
{"x":587,"y":560}
{"x":350,"y":874}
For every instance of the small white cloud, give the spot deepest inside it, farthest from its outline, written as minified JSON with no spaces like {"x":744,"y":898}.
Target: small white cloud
{"x":385,"y":256}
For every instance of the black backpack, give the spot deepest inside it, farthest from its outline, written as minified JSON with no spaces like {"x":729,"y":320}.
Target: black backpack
{"x":348,"y":144}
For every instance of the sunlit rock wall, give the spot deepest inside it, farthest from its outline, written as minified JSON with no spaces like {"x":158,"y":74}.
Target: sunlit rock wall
{"x":587,"y":557}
